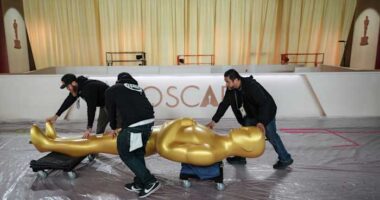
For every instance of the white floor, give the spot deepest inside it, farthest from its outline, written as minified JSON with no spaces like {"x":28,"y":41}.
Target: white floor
{"x":334,"y":159}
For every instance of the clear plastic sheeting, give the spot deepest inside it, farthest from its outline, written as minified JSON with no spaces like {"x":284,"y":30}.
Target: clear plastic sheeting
{"x":333,"y":159}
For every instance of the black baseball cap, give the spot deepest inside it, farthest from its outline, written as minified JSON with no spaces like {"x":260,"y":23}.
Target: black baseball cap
{"x":67,"y":79}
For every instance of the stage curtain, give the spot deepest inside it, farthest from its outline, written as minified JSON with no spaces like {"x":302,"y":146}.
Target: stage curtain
{"x":64,"y":32}
{"x":237,"y":32}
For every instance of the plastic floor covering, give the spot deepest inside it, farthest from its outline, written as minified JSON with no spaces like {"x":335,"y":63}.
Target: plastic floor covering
{"x":333,"y":159}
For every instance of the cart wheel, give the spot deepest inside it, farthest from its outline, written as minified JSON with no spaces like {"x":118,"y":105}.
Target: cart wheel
{"x":186,"y":183}
{"x":91,"y":157}
{"x":220,"y":186}
{"x":72,"y":174}
{"x":42,"y":174}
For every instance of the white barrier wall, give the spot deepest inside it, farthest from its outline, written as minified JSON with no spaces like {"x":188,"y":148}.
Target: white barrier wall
{"x":346,"y":94}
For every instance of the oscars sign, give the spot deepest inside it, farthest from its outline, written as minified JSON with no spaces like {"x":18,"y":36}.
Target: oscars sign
{"x":178,"y":96}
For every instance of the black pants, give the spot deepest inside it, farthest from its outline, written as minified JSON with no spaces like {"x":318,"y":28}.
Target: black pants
{"x":135,"y":159}
{"x":103,"y":120}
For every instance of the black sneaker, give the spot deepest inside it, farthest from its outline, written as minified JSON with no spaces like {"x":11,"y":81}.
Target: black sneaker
{"x":236,"y":160}
{"x":282,"y":164}
{"x":149,"y":189}
{"x":132,"y":187}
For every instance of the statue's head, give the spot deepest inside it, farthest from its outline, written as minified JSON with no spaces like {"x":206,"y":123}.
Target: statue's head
{"x":250,"y":140}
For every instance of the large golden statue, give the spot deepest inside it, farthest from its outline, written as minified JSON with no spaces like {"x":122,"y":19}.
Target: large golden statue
{"x":181,"y":140}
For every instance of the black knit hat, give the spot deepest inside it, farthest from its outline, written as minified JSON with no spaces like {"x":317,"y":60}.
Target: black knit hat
{"x":124,"y":75}
{"x":67,"y":79}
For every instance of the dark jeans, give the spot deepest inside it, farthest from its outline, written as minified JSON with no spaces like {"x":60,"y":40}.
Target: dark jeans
{"x":273,"y":137}
{"x":135,"y":159}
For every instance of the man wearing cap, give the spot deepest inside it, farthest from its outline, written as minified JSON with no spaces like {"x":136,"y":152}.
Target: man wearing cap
{"x":92,"y":91}
{"x":137,"y":118}
{"x":252,"y":106}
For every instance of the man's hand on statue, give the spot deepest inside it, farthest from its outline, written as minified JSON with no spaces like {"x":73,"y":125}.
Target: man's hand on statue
{"x":87,"y":134}
{"x":211,"y":125}
{"x":52,"y":119}
{"x":112,"y":133}
{"x":261,"y":127}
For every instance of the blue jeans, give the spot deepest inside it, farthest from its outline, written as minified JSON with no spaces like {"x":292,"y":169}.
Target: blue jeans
{"x":135,"y":160}
{"x":273,"y":137}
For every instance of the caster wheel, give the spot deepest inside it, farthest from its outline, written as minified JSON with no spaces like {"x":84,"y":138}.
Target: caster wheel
{"x":220,"y":186}
{"x":91,"y":157}
{"x":42,"y":174}
{"x":186,"y":183}
{"x":72,"y":174}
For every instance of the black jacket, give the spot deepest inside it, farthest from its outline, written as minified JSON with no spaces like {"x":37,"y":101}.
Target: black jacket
{"x":130,"y":101}
{"x":257,"y":102}
{"x":92,"y":91}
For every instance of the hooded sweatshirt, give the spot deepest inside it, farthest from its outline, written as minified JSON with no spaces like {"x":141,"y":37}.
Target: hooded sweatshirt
{"x":130,"y":101}
{"x":92,"y":91}
{"x":258,"y":104}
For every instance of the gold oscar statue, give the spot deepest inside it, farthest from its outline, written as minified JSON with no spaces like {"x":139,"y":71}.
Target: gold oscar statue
{"x":17,"y":43}
{"x":181,"y":140}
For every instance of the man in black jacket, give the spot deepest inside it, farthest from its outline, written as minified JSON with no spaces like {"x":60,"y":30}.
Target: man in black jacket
{"x":137,"y":117}
{"x":252,"y":106}
{"x":92,"y":91}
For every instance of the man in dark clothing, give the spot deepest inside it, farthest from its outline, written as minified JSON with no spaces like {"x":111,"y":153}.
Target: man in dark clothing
{"x":137,"y":117}
{"x":252,"y":106}
{"x":92,"y":91}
